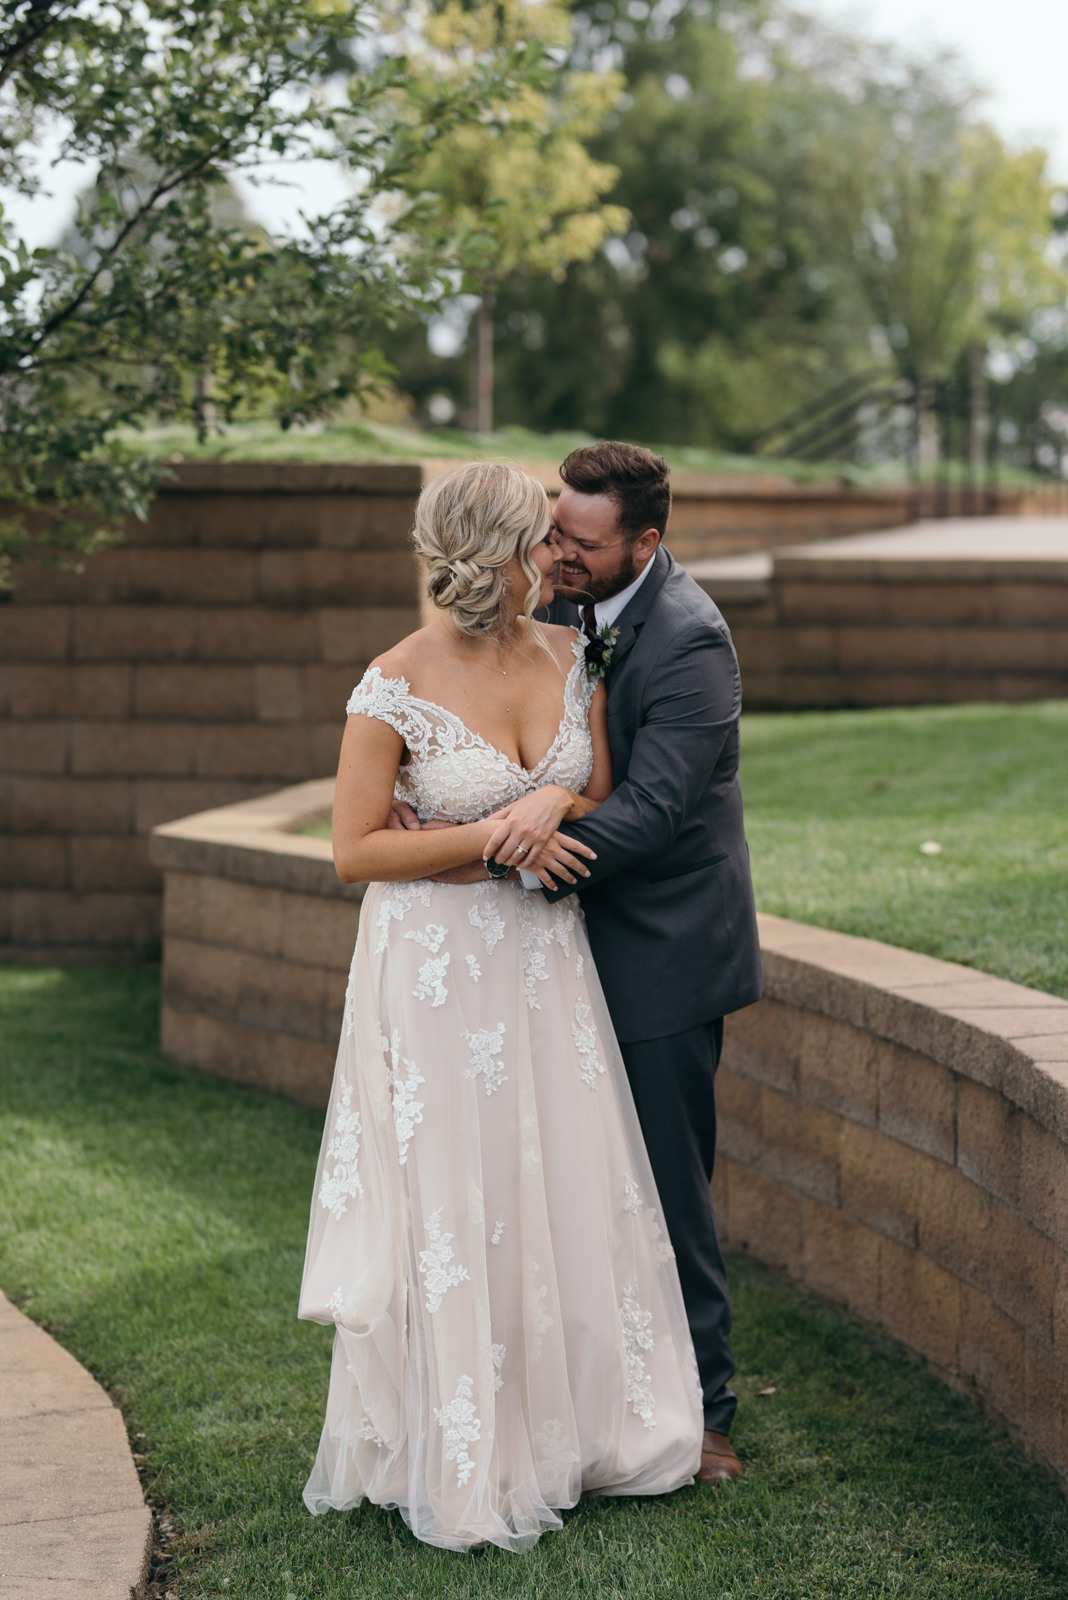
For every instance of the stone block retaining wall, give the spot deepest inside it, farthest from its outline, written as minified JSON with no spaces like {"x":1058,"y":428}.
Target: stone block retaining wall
{"x":209,"y":659}
{"x":258,"y":935}
{"x":736,"y":513}
{"x":893,"y":1129}
{"x":206,"y":660}
{"x":732,"y":514}
{"x":893,"y":1134}
{"x":939,"y":613}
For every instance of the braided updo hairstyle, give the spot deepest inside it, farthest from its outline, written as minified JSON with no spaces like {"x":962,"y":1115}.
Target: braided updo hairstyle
{"x":469,"y":524}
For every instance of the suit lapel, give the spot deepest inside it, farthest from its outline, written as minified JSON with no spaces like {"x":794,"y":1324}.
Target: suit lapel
{"x":632,"y":618}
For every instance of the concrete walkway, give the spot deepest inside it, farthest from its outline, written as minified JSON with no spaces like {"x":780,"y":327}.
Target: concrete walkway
{"x":73,"y":1521}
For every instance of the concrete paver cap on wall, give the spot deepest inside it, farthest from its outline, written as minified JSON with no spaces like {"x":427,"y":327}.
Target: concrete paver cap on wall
{"x":73,"y":1521}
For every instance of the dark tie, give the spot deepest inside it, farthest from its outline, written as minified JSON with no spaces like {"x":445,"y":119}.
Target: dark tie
{"x":589,"y":622}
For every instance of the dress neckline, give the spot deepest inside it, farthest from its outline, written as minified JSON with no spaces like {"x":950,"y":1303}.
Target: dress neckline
{"x":529,"y":773}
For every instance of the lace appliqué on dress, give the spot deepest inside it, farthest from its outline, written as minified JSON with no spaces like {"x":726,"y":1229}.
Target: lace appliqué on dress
{"x":585,"y":1037}
{"x":407,"y":1110}
{"x":474,"y":971}
{"x":342,"y":1183}
{"x":368,"y":1431}
{"x":563,"y":922}
{"x":538,"y":1319}
{"x":637,"y":1336}
{"x":432,"y":981}
{"x":534,"y":939}
{"x":555,"y":1456}
{"x":497,"y":1355}
{"x":461,"y":1427}
{"x":435,"y":1263}
{"x":396,"y":903}
{"x":634,"y":1204}
{"x":485,"y":1046}
{"x":486,"y":917}
{"x":430,"y":937}
{"x":454,"y":774}
{"x":350,"y":999}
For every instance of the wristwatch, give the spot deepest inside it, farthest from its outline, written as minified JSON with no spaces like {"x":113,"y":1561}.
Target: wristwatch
{"x":496,"y":869}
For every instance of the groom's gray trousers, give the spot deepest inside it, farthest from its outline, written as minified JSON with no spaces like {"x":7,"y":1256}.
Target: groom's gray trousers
{"x":672,"y":1081}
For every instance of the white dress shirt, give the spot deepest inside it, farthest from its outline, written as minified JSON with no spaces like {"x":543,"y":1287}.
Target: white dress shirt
{"x":605,"y":613}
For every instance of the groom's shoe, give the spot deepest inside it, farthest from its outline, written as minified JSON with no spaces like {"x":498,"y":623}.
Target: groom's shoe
{"x":718,"y":1460}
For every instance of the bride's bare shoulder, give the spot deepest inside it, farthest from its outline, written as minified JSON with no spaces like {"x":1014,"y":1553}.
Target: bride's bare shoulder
{"x":408,"y":656}
{"x":561,"y":639}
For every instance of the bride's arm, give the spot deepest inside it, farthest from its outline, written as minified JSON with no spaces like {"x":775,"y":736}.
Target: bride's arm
{"x":365,"y":848}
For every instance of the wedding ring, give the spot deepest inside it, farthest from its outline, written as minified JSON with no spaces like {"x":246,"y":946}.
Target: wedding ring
{"x":521,"y":849}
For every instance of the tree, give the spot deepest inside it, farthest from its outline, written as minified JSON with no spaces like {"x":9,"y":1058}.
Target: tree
{"x":520,"y":181}
{"x":717,"y":307}
{"x":806,"y":209}
{"x":167,"y":99}
{"x":946,"y":230}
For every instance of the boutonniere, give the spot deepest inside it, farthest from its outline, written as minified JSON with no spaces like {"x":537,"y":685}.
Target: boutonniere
{"x":600,"y":651}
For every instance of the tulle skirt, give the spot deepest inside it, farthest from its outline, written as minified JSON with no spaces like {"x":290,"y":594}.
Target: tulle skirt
{"x":485,"y":1232}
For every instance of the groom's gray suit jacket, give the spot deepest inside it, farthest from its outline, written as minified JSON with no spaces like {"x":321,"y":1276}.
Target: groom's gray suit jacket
{"x":669,"y":902}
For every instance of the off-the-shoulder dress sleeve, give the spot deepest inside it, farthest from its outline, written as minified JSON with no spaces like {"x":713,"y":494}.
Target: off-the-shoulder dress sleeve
{"x":387,"y":699}
{"x":391,"y":700}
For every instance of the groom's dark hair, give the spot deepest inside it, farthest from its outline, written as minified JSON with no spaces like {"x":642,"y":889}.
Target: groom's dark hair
{"x":636,"y":479}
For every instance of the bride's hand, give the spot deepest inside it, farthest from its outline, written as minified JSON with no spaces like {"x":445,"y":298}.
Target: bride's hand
{"x":560,"y":856}
{"x":527,"y":825}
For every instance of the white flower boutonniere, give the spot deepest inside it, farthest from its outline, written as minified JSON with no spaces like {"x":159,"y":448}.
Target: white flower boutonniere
{"x":600,"y":651}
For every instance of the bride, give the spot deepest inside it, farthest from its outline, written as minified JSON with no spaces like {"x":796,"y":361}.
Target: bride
{"x":485,"y":1233}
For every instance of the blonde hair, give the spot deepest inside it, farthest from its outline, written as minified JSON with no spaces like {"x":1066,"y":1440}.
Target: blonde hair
{"x":469,"y":524}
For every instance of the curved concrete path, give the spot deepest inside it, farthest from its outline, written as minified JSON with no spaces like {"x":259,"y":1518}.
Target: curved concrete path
{"x":73,"y":1521}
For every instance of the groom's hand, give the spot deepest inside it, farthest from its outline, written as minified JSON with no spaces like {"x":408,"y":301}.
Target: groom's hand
{"x":402,"y":816}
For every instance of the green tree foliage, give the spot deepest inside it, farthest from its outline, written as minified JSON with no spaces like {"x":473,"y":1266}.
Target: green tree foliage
{"x":945,"y":230}
{"x":163,"y":101}
{"x":521,"y":181}
{"x":806,"y":208}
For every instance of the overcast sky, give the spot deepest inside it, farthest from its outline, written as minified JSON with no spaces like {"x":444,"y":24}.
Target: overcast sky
{"x":1018,"y":51}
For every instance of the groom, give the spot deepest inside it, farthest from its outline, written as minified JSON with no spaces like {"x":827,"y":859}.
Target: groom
{"x":669,"y":901}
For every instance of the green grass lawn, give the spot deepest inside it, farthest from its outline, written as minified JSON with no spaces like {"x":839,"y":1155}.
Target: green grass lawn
{"x":370,"y":440}
{"x":155,"y":1223}
{"x":838,"y":805}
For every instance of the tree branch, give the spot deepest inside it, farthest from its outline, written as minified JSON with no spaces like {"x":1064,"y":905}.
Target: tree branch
{"x":41,"y":16}
{"x":161,"y":189}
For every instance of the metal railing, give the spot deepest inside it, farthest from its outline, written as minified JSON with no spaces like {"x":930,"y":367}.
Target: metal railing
{"x":960,"y":444}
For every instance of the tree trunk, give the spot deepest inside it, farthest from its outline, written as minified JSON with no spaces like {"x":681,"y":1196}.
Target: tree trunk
{"x":927,"y":443}
{"x":978,"y":412}
{"x":205,"y":401}
{"x":484,"y":365}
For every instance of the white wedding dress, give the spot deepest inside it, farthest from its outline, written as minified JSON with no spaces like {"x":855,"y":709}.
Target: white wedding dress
{"x":485,"y":1234}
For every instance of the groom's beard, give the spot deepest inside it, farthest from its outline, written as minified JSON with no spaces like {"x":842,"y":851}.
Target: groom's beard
{"x":573,"y":582}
